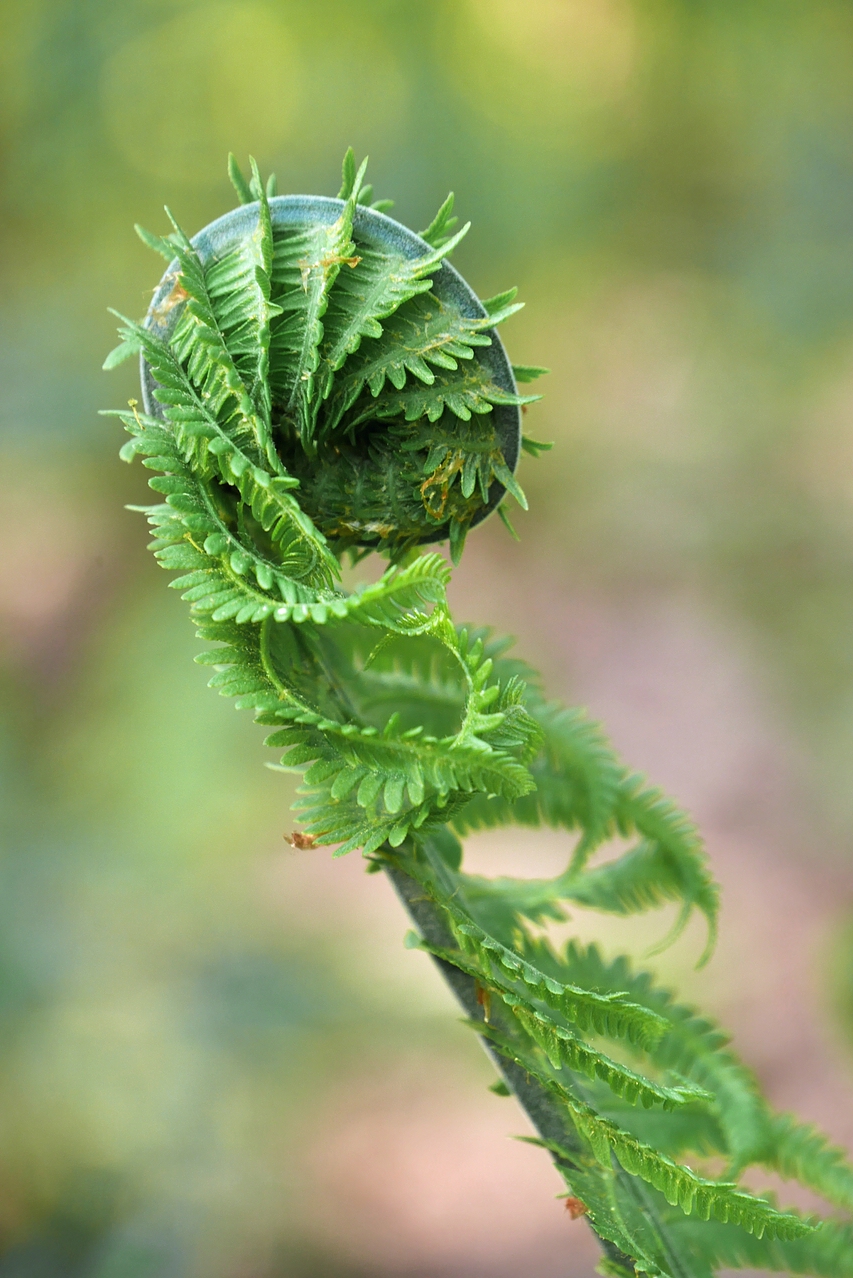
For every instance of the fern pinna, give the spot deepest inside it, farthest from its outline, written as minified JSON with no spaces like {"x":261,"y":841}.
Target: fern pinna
{"x":318,"y":383}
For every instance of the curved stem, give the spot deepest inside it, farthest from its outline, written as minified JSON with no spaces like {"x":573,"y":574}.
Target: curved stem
{"x":539,"y":1106}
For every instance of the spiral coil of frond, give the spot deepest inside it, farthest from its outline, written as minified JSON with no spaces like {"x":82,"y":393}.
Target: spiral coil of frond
{"x":319,"y":383}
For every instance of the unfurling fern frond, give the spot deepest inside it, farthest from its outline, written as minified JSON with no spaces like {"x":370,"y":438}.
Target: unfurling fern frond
{"x":319,"y":382}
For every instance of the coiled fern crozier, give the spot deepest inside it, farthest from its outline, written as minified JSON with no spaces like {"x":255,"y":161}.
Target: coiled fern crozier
{"x":320,"y":383}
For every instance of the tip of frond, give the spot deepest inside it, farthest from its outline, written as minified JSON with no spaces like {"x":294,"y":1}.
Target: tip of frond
{"x":528,"y":372}
{"x":359,"y":178}
{"x":180,"y":234}
{"x":677,"y":930}
{"x":441,"y":225}
{"x":112,"y":311}
{"x":674,"y":932}
{"x":241,"y":186}
{"x":155,"y":242}
{"x":710,"y":944}
{"x":120,"y":353}
{"x":448,"y":245}
{"x":507,"y":522}
{"x":347,"y":175}
{"x":535,"y":446}
{"x":500,"y":300}
{"x":256,"y":186}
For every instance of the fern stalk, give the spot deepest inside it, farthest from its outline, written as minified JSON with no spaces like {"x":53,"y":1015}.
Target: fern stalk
{"x":319,"y":383}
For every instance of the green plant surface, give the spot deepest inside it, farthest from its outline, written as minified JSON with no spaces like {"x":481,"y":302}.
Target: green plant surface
{"x":316,"y":401}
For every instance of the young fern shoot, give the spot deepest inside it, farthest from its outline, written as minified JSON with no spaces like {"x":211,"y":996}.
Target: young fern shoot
{"x":318,"y":382}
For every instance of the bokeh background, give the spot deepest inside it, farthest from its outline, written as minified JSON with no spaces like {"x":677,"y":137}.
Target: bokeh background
{"x":216,"y":1058}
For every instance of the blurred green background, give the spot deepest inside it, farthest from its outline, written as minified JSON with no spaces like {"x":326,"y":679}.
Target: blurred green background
{"x":215,"y":1056}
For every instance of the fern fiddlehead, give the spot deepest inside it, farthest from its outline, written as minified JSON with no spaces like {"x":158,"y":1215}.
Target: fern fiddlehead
{"x":319,"y":382}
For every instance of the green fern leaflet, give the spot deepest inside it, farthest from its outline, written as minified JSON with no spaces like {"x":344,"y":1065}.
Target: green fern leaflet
{"x":319,"y":384}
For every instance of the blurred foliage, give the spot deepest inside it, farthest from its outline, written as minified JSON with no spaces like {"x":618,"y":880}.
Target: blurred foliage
{"x":671,"y":184}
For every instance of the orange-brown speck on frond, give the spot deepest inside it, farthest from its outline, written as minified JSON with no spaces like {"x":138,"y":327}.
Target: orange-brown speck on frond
{"x":324,"y":263}
{"x":301,"y":842}
{"x":441,"y":478}
{"x":177,"y":294}
{"x":575,"y":1207}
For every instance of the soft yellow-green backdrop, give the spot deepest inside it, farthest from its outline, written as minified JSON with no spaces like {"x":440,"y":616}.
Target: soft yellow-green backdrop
{"x":215,"y":1057}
